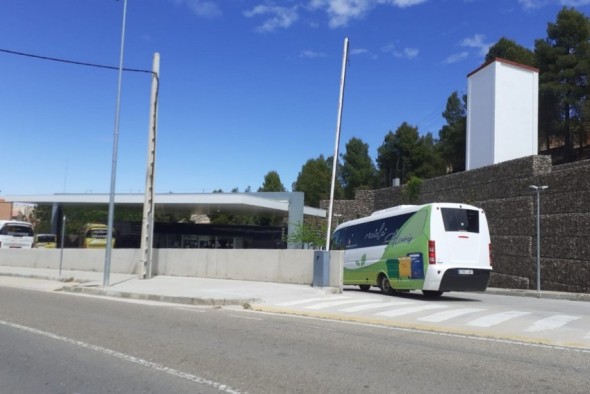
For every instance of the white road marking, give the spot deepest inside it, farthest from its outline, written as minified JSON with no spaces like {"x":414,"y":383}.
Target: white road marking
{"x":308,"y":300}
{"x":330,"y":304}
{"x":430,"y":332}
{"x":410,"y":309}
{"x":126,"y":357}
{"x":447,"y":315}
{"x":246,"y":317}
{"x":376,"y":305}
{"x":496,"y":318}
{"x":551,"y":323}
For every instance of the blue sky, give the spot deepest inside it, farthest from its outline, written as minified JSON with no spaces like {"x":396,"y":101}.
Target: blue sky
{"x":247,"y":86}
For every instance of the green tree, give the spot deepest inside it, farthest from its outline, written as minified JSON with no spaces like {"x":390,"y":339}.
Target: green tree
{"x":411,"y":191}
{"x":315,"y":179}
{"x":310,"y":233}
{"x":42,"y":215}
{"x":358,"y":170}
{"x":452,"y":136}
{"x":563,"y":60}
{"x":405,"y":153}
{"x":510,"y":50}
{"x":272,"y":183}
{"x":426,"y":160}
{"x":391,"y":159}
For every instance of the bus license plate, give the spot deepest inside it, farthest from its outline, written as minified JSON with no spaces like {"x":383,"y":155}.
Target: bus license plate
{"x":465,"y":272}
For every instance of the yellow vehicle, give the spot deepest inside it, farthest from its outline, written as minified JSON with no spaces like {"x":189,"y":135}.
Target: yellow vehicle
{"x":94,"y":235}
{"x":47,"y":241}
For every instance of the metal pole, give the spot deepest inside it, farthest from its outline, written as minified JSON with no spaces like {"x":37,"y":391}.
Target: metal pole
{"x":337,"y":143}
{"x":109,"y":246}
{"x":538,"y":190}
{"x":538,"y":243}
{"x":147,"y":228}
{"x":63,"y":234}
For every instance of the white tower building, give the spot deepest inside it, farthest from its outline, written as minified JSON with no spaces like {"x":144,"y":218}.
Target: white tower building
{"x":502,"y":113}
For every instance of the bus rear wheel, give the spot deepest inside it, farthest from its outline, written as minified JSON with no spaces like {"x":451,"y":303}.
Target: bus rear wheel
{"x":432,"y":293}
{"x":385,"y":286}
{"x":365,"y":287}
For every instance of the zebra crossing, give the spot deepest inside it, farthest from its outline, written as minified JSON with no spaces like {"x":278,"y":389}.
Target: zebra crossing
{"x":534,"y":323}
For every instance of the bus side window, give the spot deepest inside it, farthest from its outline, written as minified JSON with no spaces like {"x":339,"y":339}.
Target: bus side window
{"x":337,"y":241}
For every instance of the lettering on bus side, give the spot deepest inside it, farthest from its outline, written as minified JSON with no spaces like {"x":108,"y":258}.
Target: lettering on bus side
{"x":382,"y":231}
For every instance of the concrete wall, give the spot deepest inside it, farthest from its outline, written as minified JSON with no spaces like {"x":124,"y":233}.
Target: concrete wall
{"x":124,"y":261}
{"x":263,"y":265}
{"x":502,"y":190}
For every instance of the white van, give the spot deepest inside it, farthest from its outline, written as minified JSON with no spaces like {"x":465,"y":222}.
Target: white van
{"x":15,"y":234}
{"x":435,"y":248}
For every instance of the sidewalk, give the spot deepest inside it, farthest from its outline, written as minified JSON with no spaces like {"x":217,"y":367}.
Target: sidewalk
{"x":200,"y":291}
{"x":182,"y":290}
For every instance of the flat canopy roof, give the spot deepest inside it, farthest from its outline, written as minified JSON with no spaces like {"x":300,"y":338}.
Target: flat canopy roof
{"x":199,"y":203}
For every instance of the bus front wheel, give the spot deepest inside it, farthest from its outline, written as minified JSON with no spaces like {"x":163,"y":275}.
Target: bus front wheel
{"x":385,"y":286}
{"x":432,"y":293}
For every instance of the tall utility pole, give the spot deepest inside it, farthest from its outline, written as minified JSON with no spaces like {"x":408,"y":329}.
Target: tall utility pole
{"x":109,"y":246}
{"x":147,"y":225}
{"x":337,"y":144}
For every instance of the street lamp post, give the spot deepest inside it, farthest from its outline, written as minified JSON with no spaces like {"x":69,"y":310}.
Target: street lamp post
{"x":538,"y":190}
{"x":109,"y":246}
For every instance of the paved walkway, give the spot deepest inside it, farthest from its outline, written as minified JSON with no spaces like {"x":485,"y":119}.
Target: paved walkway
{"x":184,"y":290}
{"x":201,"y":291}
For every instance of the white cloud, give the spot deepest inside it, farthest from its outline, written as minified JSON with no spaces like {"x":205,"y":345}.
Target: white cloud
{"x":574,"y":3}
{"x":532,"y":4}
{"x":407,"y":53}
{"x":311,"y":54}
{"x":455,"y":58}
{"x":207,"y":9}
{"x":341,"y":12}
{"x":477,"y":42}
{"x":388,"y":48}
{"x":279,"y":17}
{"x":359,"y":51}
{"x":408,"y":3}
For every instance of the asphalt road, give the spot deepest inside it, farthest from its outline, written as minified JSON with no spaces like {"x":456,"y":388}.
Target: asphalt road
{"x":62,"y":343}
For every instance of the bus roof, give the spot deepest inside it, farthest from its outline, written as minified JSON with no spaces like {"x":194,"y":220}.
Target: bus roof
{"x":19,"y":222}
{"x":400,"y":210}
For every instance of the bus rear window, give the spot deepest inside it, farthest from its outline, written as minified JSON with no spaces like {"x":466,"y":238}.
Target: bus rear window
{"x":457,"y":219}
{"x":16,"y":230}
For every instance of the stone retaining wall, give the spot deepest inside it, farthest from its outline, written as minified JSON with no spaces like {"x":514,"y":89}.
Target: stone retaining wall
{"x":502,"y":190}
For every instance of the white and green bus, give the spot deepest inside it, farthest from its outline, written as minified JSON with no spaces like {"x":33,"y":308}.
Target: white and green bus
{"x":435,"y":248}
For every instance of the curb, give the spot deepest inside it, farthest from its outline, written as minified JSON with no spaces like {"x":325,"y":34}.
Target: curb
{"x":42,"y":277}
{"x":554,"y":295}
{"x":160,"y":298}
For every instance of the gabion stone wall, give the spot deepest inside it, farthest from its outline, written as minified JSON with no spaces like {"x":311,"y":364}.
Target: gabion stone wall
{"x":502,"y":190}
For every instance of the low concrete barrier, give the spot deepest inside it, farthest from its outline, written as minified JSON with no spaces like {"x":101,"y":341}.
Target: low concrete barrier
{"x":263,"y":265}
